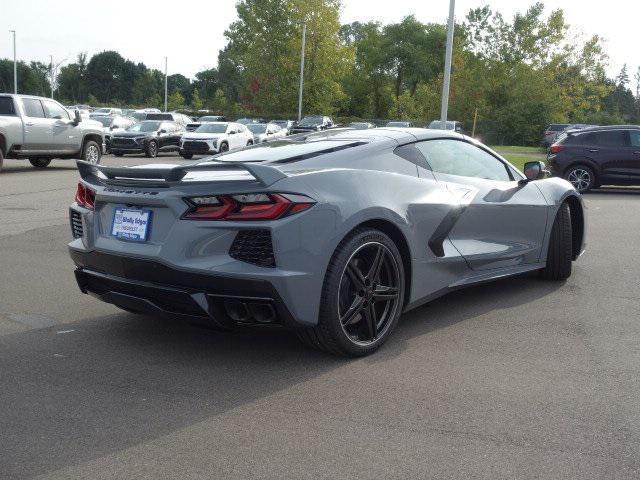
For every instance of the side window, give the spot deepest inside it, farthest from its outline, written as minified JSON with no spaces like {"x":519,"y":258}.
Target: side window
{"x":6,"y":106}
{"x":635,"y":138}
{"x":613,"y":138}
{"x":32,"y":108}
{"x":455,"y":157}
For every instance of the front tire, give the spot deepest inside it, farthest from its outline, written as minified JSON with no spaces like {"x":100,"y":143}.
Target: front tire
{"x":1,"y":159}
{"x":560,"y":253}
{"x":40,"y":162}
{"x":152,"y":149}
{"x":224,"y":147}
{"x":92,"y":152}
{"x":581,"y":177}
{"x":362,"y":296}
{"x":187,"y":156}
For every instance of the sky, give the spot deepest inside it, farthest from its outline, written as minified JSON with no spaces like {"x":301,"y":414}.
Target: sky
{"x":191,"y":33}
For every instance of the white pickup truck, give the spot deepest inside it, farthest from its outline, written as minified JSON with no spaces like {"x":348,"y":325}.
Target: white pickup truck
{"x":39,"y":129}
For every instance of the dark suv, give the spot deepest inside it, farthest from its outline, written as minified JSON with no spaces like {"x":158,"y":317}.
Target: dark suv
{"x":149,"y":137}
{"x":597,"y":156}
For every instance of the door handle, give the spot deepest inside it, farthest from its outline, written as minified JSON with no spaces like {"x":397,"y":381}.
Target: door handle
{"x":594,"y":150}
{"x":29,"y":124}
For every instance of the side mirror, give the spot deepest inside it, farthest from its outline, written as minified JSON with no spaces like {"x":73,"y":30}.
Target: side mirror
{"x":534,"y":171}
{"x":232,"y":132}
{"x":162,"y":130}
{"x":76,"y":118}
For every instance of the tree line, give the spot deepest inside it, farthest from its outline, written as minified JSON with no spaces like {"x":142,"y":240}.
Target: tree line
{"x":516,"y":75}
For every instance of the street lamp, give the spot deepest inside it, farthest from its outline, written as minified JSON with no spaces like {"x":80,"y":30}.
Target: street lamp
{"x":447,"y":66}
{"x":304,"y":39}
{"x":165,"y":84}
{"x":53,"y":72}
{"x":15,"y":64}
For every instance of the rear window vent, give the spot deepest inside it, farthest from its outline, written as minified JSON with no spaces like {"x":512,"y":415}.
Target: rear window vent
{"x":253,"y":246}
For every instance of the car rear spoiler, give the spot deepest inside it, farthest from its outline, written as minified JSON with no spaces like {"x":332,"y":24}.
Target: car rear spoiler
{"x":265,"y":174}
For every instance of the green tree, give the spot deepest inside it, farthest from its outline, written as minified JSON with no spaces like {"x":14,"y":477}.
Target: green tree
{"x":175,"y":101}
{"x":196,"y":102}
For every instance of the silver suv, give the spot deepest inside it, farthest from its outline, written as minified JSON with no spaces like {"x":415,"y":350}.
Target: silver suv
{"x":39,"y":129}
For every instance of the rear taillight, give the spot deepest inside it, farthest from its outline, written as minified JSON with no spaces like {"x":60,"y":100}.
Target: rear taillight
{"x":85,"y":197}
{"x":246,"y":206}
{"x":556,"y":148}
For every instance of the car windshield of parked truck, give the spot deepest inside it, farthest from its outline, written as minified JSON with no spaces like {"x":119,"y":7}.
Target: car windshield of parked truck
{"x":104,"y":120}
{"x":6,"y":106}
{"x":212,"y":128}
{"x":308,"y":121}
{"x":144,"y":127}
{"x":258,"y":128}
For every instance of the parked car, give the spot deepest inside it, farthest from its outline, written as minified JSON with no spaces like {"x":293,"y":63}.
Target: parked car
{"x":149,"y":137}
{"x":449,"y":125}
{"x":399,"y":124}
{"x":312,"y":123}
{"x":215,"y":137}
{"x":107,"y":111}
{"x":591,"y":157}
{"x":263,"y":132}
{"x":246,"y":121}
{"x":113,"y":124}
{"x":332,"y":238}
{"x":171,"y":116}
{"x":39,"y":129}
{"x":552,"y":132}
{"x":286,"y":125}
{"x":192,"y":126}
{"x":361,"y":125}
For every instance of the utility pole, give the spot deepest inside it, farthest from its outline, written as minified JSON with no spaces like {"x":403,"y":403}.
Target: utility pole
{"x":304,"y":39}
{"x":165,"y":84}
{"x":15,"y":64}
{"x":447,"y":66}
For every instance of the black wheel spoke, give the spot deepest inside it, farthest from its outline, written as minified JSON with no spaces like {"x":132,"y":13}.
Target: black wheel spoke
{"x":351,"y":313}
{"x":374,"y":271}
{"x":371,"y":320}
{"x":355,"y":276}
{"x":382,"y":293}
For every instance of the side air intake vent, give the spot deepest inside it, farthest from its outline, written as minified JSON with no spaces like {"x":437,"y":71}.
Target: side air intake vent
{"x":253,"y":246}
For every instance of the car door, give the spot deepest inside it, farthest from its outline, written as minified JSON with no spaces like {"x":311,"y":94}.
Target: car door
{"x":64,"y":134}
{"x":177,"y":135}
{"x":233,"y":135}
{"x":612,"y":152}
{"x":37,"y":127}
{"x":164,"y":134}
{"x":498,"y":223}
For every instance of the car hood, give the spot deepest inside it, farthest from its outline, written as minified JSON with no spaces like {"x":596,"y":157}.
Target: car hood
{"x":201,"y":136}
{"x":134,"y":134}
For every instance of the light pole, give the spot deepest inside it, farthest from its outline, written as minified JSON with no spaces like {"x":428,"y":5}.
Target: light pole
{"x":15,"y":64}
{"x":165,"y":84}
{"x":53,"y":72}
{"x":304,"y":39}
{"x":447,"y":66}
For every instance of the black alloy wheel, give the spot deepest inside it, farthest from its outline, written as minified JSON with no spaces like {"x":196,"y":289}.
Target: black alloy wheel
{"x":369,"y":293}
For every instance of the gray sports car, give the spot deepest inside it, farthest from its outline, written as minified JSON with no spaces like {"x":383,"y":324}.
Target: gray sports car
{"x":333,"y":234}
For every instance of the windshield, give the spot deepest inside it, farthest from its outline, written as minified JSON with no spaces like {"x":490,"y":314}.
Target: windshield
{"x":310,"y":121}
{"x":257,"y":128}
{"x":105,"y":121}
{"x":103,"y":110}
{"x":212,"y":128}
{"x":281,"y":122}
{"x":144,"y":127}
{"x":210,"y":119}
{"x":398,"y":124}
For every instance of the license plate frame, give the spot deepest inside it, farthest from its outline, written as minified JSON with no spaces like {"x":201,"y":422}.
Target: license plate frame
{"x":139,"y":220}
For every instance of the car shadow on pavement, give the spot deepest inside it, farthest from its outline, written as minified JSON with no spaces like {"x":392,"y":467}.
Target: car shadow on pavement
{"x":101,"y":385}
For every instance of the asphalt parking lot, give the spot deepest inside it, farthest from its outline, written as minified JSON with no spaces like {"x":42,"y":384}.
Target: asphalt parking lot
{"x":515,"y":379}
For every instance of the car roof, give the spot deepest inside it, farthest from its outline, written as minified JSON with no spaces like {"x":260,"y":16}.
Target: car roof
{"x":604,"y":128}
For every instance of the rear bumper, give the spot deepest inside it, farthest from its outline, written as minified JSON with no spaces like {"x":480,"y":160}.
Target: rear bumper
{"x":151,"y":287}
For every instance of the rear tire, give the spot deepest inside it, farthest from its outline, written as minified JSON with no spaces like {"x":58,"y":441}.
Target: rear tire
{"x":152,"y":149}
{"x":360,"y":304}
{"x":1,"y":159}
{"x":581,"y":177}
{"x":560,"y":253}
{"x":40,"y":162}
{"x":92,"y":152}
{"x":187,"y":156}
